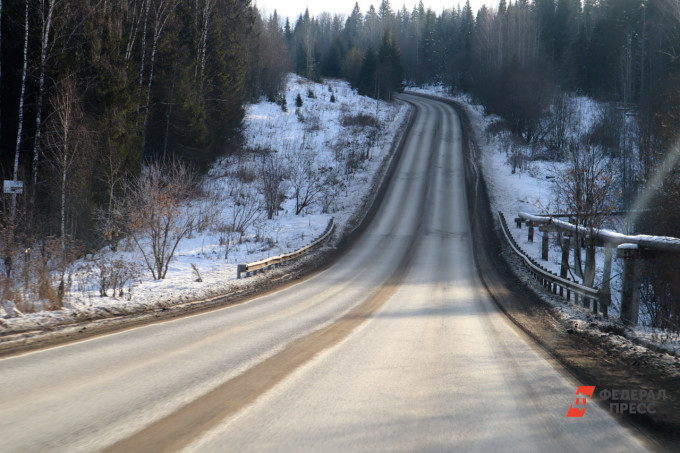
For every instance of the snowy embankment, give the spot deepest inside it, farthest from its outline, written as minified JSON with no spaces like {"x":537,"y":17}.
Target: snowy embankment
{"x":530,"y":189}
{"x":331,"y":146}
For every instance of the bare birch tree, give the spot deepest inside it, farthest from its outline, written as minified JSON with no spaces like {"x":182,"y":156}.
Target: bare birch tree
{"x":163,"y":10}
{"x":65,"y":139}
{"x":146,"y":5}
{"x":136,"y":16}
{"x":22,"y":96}
{"x":46,"y":13}
{"x":204,"y":11}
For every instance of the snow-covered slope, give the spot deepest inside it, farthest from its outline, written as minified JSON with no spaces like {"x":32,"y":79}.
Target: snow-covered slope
{"x":326,"y":136}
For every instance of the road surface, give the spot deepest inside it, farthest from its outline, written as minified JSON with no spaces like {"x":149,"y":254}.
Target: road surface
{"x":397,"y":346}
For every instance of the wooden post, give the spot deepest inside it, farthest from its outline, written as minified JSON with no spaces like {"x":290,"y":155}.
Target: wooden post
{"x":530,"y":235}
{"x":630,"y":293}
{"x":606,"y":289}
{"x":545,"y":244}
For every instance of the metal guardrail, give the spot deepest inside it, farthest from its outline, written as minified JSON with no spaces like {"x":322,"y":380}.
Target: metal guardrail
{"x":544,"y":276}
{"x":660,"y":243}
{"x":281,"y":259}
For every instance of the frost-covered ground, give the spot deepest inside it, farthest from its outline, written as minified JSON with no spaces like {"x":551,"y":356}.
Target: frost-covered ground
{"x":531,"y":190}
{"x":328,"y":136}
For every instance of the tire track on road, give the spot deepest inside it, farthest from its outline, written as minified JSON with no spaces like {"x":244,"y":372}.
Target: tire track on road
{"x":180,"y":428}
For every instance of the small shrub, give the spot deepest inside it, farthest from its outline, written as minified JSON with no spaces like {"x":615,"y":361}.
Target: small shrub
{"x":333,"y":98}
{"x":310,"y":94}
{"x":110,"y":273}
{"x":272,"y":185}
{"x":495,"y":129}
{"x":155,"y":214}
{"x":359,"y":120}
{"x":197,"y":273}
{"x":298,"y":101}
{"x":313,"y":121}
{"x":282,"y":102}
{"x":244,"y":174}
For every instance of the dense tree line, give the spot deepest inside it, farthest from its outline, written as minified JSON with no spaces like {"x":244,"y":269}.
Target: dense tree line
{"x":513,"y":58}
{"x":362,"y":48}
{"x":91,"y":89}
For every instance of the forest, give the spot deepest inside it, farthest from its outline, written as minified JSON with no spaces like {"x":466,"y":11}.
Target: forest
{"x":92,"y":91}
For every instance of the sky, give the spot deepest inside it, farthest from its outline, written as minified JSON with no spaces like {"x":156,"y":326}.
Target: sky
{"x":292,"y":8}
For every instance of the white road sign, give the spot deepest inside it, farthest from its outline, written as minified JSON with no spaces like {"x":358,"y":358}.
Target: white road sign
{"x":13,"y":186}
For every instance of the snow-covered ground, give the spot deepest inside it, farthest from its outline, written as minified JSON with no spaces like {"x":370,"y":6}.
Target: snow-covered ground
{"x":531,"y":190}
{"x":328,"y":136}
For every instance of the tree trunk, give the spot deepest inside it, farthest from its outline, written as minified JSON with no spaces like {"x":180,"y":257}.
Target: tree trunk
{"x":163,"y":13}
{"x":168,"y":112}
{"x":143,"y":61}
{"x":45,"y":38}
{"x":203,"y":40}
{"x":134,"y":29}
{"x":21,"y":112}
{"x":63,"y":196}
{"x":0,"y":70}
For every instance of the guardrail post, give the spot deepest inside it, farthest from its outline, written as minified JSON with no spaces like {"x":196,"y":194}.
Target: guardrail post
{"x":545,"y":245}
{"x":577,"y":256}
{"x":240,"y":268}
{"x":630,"y":293}
{"x":564,"y":267}
{"x":589,"y":277}
{"x":518,"y":222}
{"x":530,"y":235}
{"x":606,"y":289}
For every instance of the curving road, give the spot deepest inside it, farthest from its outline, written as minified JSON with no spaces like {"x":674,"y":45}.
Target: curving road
{"x":397,"y":346}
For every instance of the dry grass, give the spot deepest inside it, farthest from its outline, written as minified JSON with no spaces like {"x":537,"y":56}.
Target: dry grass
{"x":359,"y":120}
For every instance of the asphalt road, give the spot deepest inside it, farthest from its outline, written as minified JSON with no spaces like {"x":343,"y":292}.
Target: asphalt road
{"x":397,"y":346}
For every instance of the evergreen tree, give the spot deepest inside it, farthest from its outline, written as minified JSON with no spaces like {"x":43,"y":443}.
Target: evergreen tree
{"x":334,"y":59}
{"x":367,"y":83}
{"x":385,"y":14}
{"x":390,"y":73}
{"x":353,"y":27}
